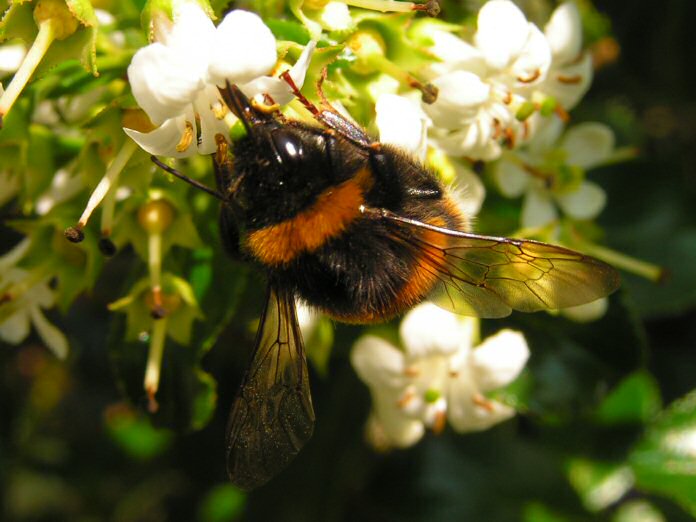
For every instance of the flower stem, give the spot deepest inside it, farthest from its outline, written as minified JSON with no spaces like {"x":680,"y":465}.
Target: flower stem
{"x":382,"y":5}
{"x":108,"y":181}
{"x":630,"y":264}
{"x":154,"y":362}
{"x":382,"y":63}
{"x":37,"y":51}
{"x":154,"y":262}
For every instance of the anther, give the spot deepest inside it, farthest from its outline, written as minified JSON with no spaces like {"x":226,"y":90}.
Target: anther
{"x":74,"y":234}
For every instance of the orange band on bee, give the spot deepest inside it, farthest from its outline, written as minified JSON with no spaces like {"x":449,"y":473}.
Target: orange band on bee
{"x":333,"y":211}
{"x":425,"y":269}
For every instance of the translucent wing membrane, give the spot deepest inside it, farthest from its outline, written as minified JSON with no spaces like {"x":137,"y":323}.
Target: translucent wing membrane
{"x":272,"y":415}
{"x":491,"y":276}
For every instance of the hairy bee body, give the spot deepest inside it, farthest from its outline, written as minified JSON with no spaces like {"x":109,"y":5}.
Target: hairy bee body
{"x":362,"y":232}
{"x":301,"y":220}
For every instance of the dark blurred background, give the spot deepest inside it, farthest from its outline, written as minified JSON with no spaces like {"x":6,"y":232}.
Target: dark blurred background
{"x":72,"y":449}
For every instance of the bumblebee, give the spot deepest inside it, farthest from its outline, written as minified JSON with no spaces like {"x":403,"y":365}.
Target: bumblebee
{"x":362,"y":232}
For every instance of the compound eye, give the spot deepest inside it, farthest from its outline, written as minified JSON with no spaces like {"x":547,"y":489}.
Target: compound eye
{"x":289,"y":147}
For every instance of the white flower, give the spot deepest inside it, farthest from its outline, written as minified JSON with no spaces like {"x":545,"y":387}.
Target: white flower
{"x":401,"y":122}
{"x":587,"y":312}
{"x":11,"y":57}
{"x":438,"y":376}
{"x":18,"y":312}
{"x":570,"y":74}
{"x":175,"y":79}
{"x":482,"y":86}
{"x":550,"y":173}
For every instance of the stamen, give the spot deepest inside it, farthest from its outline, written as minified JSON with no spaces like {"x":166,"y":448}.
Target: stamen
{"x":154,"y":363}
{"x":480,"y":401}
{"x":380,"y":62}
{"x":411,"y":371}
{"x":75,"y":234}
{"x":406,"y":398}
{"x":154,"y":263}
{"x":569,"y":80}
{"x":535,"y":76}
{"x":220,"y":110}
{"x":432,"y":8}
{"x":186,"y":138}
{"x":43,"y":40}
{"x":262,"y":107}
{"x":439,"y":422}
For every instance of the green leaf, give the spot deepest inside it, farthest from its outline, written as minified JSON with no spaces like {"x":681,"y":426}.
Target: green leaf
{"x":599,"y":484}
{"x":664,"y":461}
{"x":18,"y":22}
{"x":636,"y":399}
{"x":222,"y":504}
{"x":537,"y":512}
{"x":288,"y":30}
{"x":318,"y":345}
{"x":134,"y":434}
{"x":638,"y":511}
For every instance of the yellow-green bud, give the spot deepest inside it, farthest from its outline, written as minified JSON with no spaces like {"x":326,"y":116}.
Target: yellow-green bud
{"x":156,"y":216}
{"x":365,"y":44}
{"x":64,"y":23}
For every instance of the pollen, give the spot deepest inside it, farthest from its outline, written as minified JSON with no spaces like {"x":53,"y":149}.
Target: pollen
{"x":186,"y":138}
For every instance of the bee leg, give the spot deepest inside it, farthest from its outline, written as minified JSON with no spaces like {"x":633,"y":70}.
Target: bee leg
{"x":229,"y":234}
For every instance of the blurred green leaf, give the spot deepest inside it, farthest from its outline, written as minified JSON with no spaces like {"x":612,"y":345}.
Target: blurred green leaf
{"x":599,"y":484}
{"x":636,"y":399}
{"x":536,"y":512}
{"x":664,"y":461}
{"x":134,"y":434}
{"x":223,"y":503}
{"x":318,"y":345}
{"x":638,"y":511}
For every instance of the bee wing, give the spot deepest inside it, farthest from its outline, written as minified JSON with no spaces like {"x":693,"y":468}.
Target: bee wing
{"x":491,"y":276}
{"x":272,"y":416}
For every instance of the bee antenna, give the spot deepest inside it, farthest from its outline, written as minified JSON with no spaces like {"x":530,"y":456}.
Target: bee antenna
{"x":190,"y":181}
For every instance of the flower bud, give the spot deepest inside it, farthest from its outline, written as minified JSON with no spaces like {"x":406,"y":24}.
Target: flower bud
{"x":156,"y":216}
{"x":64,"y":23}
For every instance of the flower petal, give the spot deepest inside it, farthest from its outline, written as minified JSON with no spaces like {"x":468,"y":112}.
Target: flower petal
{"x":538,"y":208}
{"x":588,"y":144}
{"x":15,"y":328}
{"x":275,"y":87}
{"x":243,"y":49}
{"x":499,"y":359}
{"x":455,"y":54}
{"x":511,"y":178}
{"x":335,"y":16}
{"x":160,"y":85}
{"x":532,"y":64}
{"x":428,"y":330}
{"x":466,"y":416}
{"x":584,"y":203}
{"x":502,"y":32}
{"x":401,"y":123}
{"x":564,"y":33}
{"x":52,"y":336}
{"x":209,"y":124}
{"x":394,"y":427}
{"x":378,"y":363}
{"x":461,"y":95}
{"x":470,"y":191}
{"x":587,"y":312}
{"x":569,"y":83}
{"x":163,"y":140}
